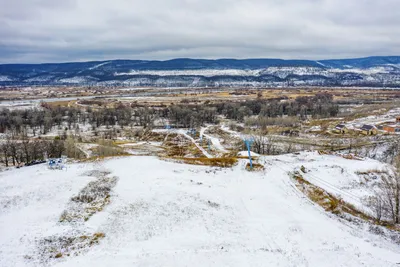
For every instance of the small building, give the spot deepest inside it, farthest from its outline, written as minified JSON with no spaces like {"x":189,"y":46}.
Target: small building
{"x":290,"y":133}
{"x":341,"y":129}
{"x":368,"y":129}
{"x":391,"y":128}
{"x":398,"y":119}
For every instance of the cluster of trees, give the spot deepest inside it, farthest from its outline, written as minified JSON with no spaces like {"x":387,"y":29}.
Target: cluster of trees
{"x":268,"y":145}
{"x":262,"y":122}
{"x":386,"y":199}
{"x":17,"y":150}
{"x":318,"y":106}
{"x":392,"y":150}
{"x":20,"y":150}
{"x":187,"y":116}
{"x":41,"y":121}
{"x":19,"y":120}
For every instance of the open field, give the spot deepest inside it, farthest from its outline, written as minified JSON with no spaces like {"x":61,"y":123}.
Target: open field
{"x":159,"y":96}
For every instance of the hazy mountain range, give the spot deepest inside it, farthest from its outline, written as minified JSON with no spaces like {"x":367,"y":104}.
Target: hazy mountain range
{"x":371,"y":72}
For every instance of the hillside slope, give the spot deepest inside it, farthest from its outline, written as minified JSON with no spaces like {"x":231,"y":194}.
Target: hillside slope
{"x":180,"y":215}
{"x":372,"y":71}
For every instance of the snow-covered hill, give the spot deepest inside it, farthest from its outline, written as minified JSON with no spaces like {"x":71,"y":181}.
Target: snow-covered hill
{"x":373,"y":71}
{"x":169,"y":214}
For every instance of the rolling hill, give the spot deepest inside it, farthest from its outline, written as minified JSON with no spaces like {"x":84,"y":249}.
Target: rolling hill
{"x":184,"y":72}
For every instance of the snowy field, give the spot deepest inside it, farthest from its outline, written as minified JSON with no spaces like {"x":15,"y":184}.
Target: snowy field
{"x":169,"y":214}
{"x":389,"y":116}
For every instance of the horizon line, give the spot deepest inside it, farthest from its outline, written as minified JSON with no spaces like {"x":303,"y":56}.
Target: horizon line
{"x":208,"y":59}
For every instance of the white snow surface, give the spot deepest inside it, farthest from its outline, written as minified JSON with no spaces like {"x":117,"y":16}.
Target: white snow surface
{"x":337,"y":175}
{"x":169,"y":214}
{"x":99,"y":65}
{"x":4,"y":78}
{"x":40,"y":78}
{"x":388,"y":117}
{"x":183,"y":132}
{"x":281,"y":72}
{"x":76,"y":79}
{"x":214,"y":140}
{"x":204,"y":72}
{"x":246,"y":154}
{"x":231,"y":132}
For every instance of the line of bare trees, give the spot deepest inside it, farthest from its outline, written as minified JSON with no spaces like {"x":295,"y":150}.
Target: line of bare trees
{"x":385,"y":202}
{"x":41,"y":121}
{"x":16,"y":150}
{"x":319,"y":106}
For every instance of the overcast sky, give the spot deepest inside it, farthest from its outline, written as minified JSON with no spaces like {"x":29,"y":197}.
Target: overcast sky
{"x":33,"y":31}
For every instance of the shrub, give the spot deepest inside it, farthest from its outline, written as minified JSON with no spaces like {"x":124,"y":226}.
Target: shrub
{"x":215,"y":162}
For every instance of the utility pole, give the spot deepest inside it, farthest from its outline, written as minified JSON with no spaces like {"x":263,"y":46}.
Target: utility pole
{"x":248,"y":143}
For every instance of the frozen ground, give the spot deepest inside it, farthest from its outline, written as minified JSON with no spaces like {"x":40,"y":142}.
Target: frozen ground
{"x":390,"y":116}
{"x":215,"y":141}
{"x":335,"y":174}
{"x":246,"y":154}
{"x":169,"y":214}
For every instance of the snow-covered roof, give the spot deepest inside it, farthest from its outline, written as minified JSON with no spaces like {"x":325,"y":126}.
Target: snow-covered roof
{"x":340,"y":126}
{"x":367,"y":127}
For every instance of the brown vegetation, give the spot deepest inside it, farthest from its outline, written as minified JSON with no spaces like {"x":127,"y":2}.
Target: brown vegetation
{"x":56,"y":247}
{"x":215,"y":162}
{"x":256,"y":167}
{"x":333,"y":204}
{"x":90,"y":200}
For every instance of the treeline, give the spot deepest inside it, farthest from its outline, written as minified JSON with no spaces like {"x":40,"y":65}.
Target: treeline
{"x":22,"y":150}
{"x":41,"y":121}
{"x":190,"y":116}
{"x":319,"y":106}
{"x":17,"y":150}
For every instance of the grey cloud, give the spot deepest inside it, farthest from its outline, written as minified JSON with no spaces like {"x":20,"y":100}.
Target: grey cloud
{"x":76,"y":30}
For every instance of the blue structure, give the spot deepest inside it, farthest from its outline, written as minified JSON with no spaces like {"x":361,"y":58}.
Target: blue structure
{"x":209,"y":145}
{"x":52,"y":163}
{"x":168,"y":127}
{"x":192,"y":132}
{"x":248,"y":143}
{"x":56,"y":164}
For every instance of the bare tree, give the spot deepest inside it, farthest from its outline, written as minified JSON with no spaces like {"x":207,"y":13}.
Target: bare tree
{"x":5,"y":148}
{"x":391,"y":193}
{"x":25,"y":142}
{"x":259,"y":142}
{"x":376,"y":203}
{"x":71,"y":149}
{"x":385,"y":202}
{"x":264,"y":144}
{"x":392,"y":150}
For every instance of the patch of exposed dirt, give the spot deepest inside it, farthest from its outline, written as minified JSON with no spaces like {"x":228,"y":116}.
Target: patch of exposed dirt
{"x":179,"y":146}
{"x":215,"y":162}
{"x":91,"y":199}
{"x":58,"y":247}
